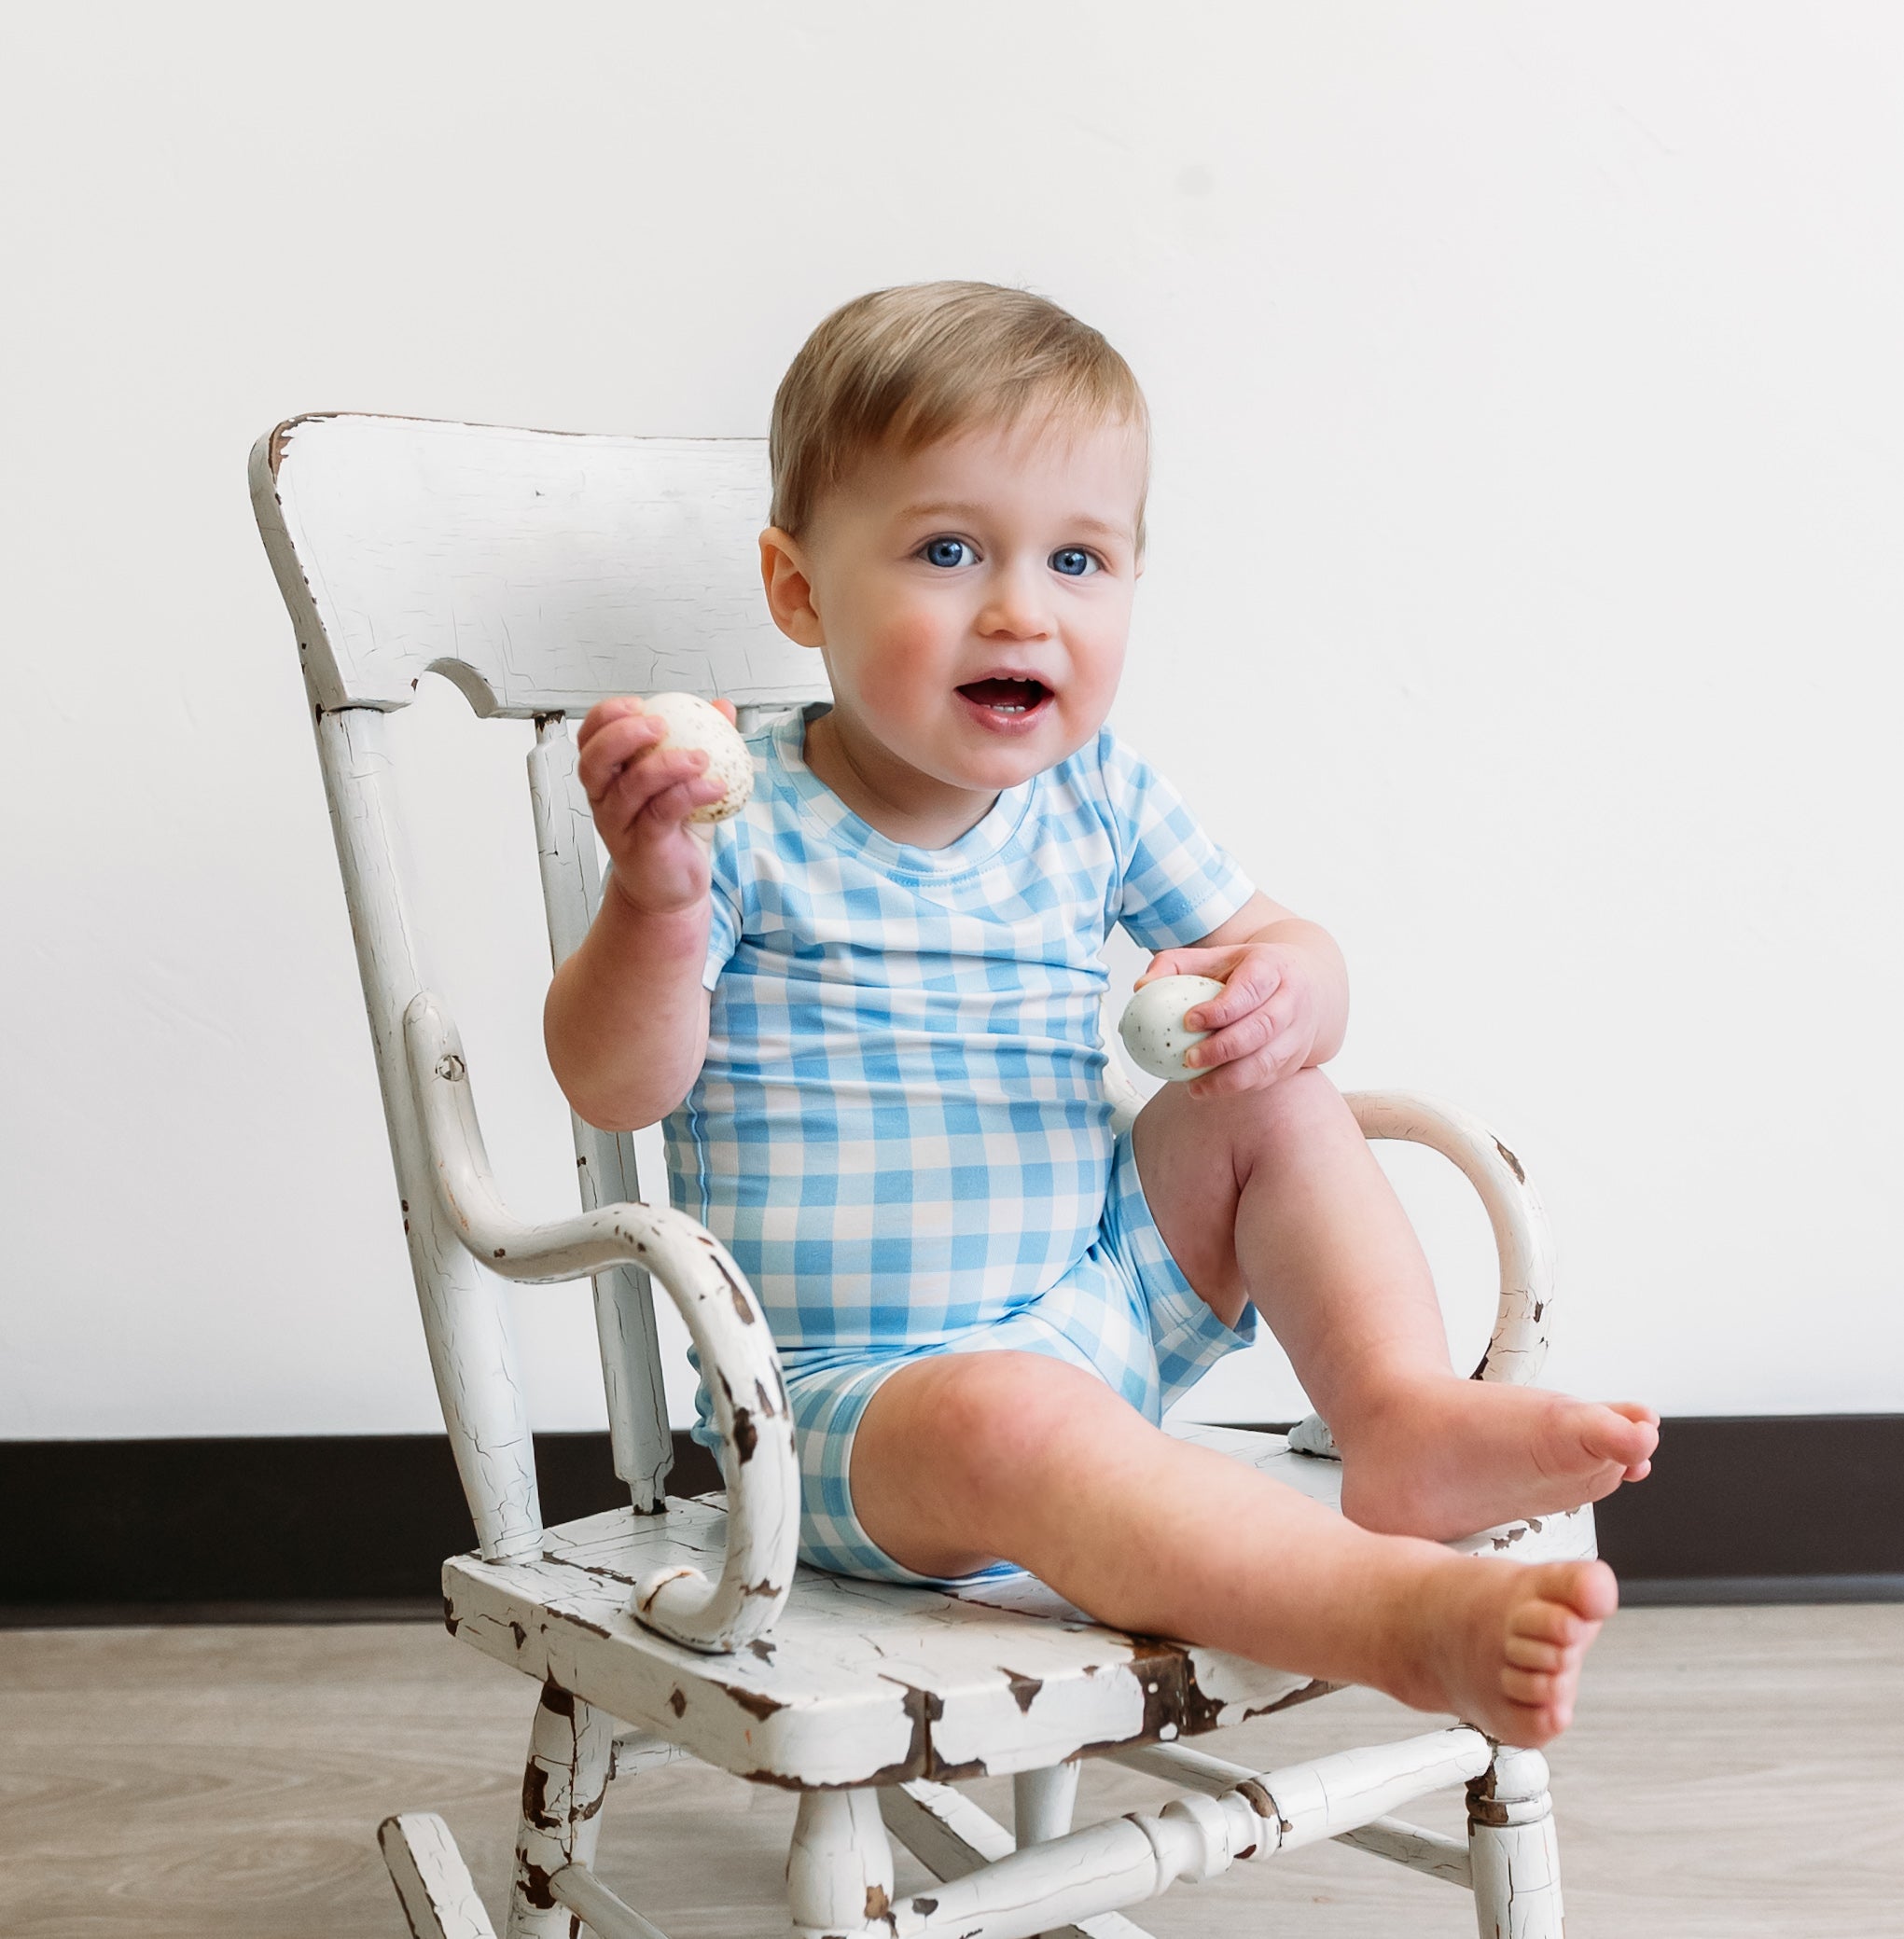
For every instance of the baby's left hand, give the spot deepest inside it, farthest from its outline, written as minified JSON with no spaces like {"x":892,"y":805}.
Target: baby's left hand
{"x":1262,"y":1027}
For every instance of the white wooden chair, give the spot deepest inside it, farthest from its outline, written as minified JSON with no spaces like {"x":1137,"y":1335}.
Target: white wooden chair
{"x":540,"y":573}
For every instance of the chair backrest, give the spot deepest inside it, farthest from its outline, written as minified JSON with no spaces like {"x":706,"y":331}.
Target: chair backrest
{"x":540,"y":572}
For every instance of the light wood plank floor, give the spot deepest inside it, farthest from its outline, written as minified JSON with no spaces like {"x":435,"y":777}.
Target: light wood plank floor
{"x":1735,"y":1772}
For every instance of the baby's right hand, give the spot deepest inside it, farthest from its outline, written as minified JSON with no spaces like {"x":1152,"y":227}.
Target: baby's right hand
{"x":641,"y":797}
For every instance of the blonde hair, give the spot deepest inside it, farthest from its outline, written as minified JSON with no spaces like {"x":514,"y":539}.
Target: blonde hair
{"x":913,"y":364}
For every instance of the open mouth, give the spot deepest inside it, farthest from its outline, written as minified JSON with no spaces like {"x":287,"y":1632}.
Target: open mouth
{"x":1008,"y":699}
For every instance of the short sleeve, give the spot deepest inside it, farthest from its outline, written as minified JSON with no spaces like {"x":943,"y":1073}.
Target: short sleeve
{"x":724,"y":928}
{"x":1178,"y":885}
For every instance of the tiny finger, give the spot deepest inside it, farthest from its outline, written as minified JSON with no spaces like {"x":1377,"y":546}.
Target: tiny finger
{"x":1225,"y":1047}
{"x":619,"y":707}
{"x":612,"y":748}
{"x":640,"y":780}
{"x":1247,"y":991}
{"x":677,"y":803}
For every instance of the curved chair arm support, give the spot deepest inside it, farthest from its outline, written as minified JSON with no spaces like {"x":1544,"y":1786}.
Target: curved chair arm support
{"x":729,"y":1330}
{"x":1518,"y":1348}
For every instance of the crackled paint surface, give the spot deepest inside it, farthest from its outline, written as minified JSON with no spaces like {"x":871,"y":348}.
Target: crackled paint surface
{"x":863,"y":1682}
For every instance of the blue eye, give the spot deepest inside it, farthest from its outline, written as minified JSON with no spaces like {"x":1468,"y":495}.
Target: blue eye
{"x":946,"y":552}
{"x":1074,"y":562}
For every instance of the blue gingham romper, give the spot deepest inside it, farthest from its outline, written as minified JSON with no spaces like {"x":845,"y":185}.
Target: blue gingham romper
{"x":901,"y":1130}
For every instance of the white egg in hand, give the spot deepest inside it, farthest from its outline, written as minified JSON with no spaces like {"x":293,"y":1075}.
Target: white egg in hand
{"x":692,"y":722}
{"x":1152,"y":1026}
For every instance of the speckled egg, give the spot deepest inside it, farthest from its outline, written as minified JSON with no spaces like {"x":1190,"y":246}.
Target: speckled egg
{"x":693,"y":722}
{"x":1152,"y":1025}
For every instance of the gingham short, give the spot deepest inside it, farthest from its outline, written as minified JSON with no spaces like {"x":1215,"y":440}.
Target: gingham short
{"x":1125,"y":1312}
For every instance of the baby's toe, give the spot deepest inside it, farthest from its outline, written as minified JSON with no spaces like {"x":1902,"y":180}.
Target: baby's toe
{"x":1589,"y":1590}
{"x":1609,"y":1433}
{"x":1536,"y":1652}
{"x":1535,"y":1689}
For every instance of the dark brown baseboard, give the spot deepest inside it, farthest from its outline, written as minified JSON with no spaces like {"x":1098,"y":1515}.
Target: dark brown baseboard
{"x":1759,"y":1508}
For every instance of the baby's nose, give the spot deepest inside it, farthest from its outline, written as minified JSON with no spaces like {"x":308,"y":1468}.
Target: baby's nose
{"x":1015,"y":609}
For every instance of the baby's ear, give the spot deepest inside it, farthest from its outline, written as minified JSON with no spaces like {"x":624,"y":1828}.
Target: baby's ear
{"x":789,"y":592}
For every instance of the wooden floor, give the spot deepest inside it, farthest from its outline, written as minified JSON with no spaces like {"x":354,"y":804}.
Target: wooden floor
{"x":1735,"y":1772}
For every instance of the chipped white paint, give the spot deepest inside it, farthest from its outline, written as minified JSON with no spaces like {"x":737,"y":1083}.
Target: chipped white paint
{"x":1332,"y":1795}
{"x":643,"y":1449}
{"x":542,"y":571}
{"x":1121,"y":1861}
{"x":1381,"y":1836}
{"x":1510,"y":1838}
{"x":864,"y":1682}
{"x":433,"y":1884}
{"x":839,"y":1871}
{"x":858,"y":1682}
{"x":950,"y":1835}
{"x":722,"y":1316}
{"x":571,"y":1749}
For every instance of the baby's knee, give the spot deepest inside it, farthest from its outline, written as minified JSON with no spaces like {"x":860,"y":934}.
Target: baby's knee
{"x":1294,"y":1109}
{"x":999,"y":1417}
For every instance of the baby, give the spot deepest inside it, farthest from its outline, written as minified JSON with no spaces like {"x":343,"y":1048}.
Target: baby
{"x":870,"y":1011}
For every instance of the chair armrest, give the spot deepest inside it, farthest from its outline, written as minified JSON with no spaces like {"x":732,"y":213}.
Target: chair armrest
{"x":730,"y":1332}
{"x":1518,"y":1348}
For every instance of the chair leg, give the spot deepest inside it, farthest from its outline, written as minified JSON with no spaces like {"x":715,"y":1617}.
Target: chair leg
{"x":431,"y":1879}
{"x":571,"y":1747}
{"x":1042,"y":1803}
{"x":1511,"y":1842}
{"x":839,"y":1872}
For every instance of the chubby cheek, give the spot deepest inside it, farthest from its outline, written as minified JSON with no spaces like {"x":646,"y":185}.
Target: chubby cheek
{"x":1095,"y":686}
{"x":905,"y":663}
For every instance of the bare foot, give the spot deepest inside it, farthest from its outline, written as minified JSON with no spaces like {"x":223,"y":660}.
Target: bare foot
{"x":1499,"y":1643}
{"x":1443,"y":1457}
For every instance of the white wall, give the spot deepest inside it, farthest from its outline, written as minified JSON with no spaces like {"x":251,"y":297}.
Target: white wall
{"x":1524,"y":600}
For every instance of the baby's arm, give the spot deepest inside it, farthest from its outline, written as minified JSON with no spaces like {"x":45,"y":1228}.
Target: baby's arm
{"x":1285,"y":1003}
{"x":626,"y":1019}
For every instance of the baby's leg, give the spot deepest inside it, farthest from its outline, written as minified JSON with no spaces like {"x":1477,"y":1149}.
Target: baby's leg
{"x":1273,"y":1195}
{"x":966,"y":1458}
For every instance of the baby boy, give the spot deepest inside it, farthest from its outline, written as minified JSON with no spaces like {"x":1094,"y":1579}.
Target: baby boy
{"x":870,"y":1012}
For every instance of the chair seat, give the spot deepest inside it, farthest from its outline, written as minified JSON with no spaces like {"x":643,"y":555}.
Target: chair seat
{"x":872,"y":1683}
